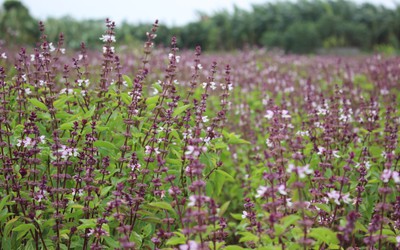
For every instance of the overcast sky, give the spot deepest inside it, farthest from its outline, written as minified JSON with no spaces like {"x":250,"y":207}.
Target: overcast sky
{"x":170,"y":12}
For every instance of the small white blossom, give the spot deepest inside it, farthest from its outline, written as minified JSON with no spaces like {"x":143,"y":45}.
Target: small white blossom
{"x":386,"y":174}
{"x":261,"y":191}
{"x":51,"y":47}
{"x":65,"y":91}
{"x":42,"y":139}
{"x":396,"y":177}
{"x":302,"y":133}
{"x":192,"y":201}
{"x":244,"y":215}
{"x":106,"y":38}
{"x":282,"y":190}
{"x":191,"y":245}
{"x":205,"y":118}
{"x":3,"y":55}
{"x":285,"y":114}
{"x":334,"y":195}
{"x":28,"y":91}
{"x":269,"y":143}
{"x":155,"y":91}
{"x":321,"y":150}
{"x":62,"y":50}
{"x":335,"y":153}
{"x":269,"y":114}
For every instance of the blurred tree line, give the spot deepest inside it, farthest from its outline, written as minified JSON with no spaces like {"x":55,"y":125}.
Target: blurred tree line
{"x":296,"y":27}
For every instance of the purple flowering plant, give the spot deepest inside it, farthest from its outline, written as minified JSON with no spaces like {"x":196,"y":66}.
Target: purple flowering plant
{"x":172,"y":149}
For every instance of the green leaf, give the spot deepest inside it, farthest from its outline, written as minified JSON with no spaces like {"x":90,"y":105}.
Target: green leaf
{"x":9,"y":225}
{"x":38,"y":103}
{"x":181,"y":109}
{"x":23,"y":229}
{"x":87,"y":223}
{"x":233,"y":247}
{"x":247,"y":236}
{"x":105,"y":144}
{"x":324,"y":234}
{"x":111,"y":242}
{"x":162,"y":205}
{"x":225,"y":174}
{"x":237,"y":216}
{"x":324,"y":207}
{"x":105,"y":190}
{"x":176,"y":241}
{"x":3,"y":202}
{"x":289,"y":220}
{"x":223,"y":208}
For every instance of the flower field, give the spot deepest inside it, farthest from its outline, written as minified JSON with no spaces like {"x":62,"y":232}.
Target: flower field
{"x":158,"y":148}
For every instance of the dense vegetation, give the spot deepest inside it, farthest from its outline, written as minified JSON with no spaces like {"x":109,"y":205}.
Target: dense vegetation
{"x":179,"y":150}
{"x":297,"y":27}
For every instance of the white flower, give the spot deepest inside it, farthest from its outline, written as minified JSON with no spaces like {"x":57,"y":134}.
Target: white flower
{"x":192,"y":245}
{"x":302,"y":133}
{"x":80,"y":57}
{"x":79,"y":193}
{"x":42,"y":139}
{"x":112,"y":49}
{"x":244,"y":215}
{"x":212,"y":85}
{"x":335,"y":153}
{"x":106,"y":38}
{"x":285,"y":114}
{"x":290,"y":168}
{"x":346,"y":198}
{"x":3,"y":55}
{"x":134,"y":167}
{"x":281,"y":189}
{"x":28,"y":91}
{"x":62,"y":50}
{"x":83,"y":92}
{"x":303,"y":171}
{"x":205,"y":118}
{"x":261,"y":191}
{"x":27,"y":141}
{"x":289,"y":202}
{"x":192,"y":200}
{"x":396,"y":177}
{"x":386,"y":174}
{"x":190,"y":150}
{"x":333,"y":194}
{"x":32,"y":57}
{"x":155,"y":91}
{"x":171,"y":56}
{"x":321,"y":150}
{"x":398,"y":239}
{"x":269,"y":143}
{"x":269,"y":114}
{"x":65,"y":91}
{"x":205,"y":85}
{"x":24,"y":77}
{"x":51,"y":47}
